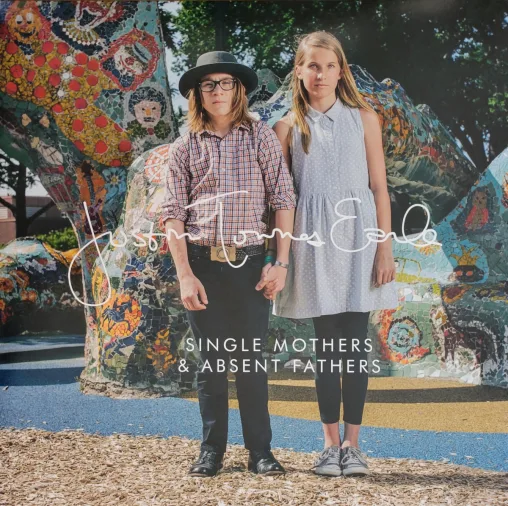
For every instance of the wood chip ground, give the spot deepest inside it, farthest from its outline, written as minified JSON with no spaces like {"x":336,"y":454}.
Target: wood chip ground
{"x":72,"y":468}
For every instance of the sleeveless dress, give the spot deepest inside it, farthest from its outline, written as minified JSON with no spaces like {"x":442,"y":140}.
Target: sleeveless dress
{"x":332,"y":184}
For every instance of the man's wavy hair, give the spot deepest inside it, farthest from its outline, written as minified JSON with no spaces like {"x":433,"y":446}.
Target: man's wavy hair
{"x":199,"y":120}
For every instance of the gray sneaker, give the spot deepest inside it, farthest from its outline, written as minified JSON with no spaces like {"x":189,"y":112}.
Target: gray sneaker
{"x":353,"y":462}
{"x":328,"y":463}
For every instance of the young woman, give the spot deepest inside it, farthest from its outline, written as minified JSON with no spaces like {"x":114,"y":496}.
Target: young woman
{"x":332,"y":143}
{"x":225,"y":152}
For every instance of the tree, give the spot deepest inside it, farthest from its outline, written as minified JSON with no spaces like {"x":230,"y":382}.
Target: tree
{"x":449,"y":55}
{"x":15,"y":176}
{"x":179,"y":116}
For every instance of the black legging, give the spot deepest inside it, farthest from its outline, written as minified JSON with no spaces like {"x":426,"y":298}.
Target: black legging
{"x":328,"y":329}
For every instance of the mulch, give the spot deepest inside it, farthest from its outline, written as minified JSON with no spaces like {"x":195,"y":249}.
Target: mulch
{"x":75,"y":468}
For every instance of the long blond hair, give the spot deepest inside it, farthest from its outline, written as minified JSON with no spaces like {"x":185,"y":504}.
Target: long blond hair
{"x":199,"y":120}
{"x":346,"y":89}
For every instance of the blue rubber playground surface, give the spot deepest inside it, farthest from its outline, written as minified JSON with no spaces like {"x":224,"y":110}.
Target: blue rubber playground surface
{"x":45,"y":394}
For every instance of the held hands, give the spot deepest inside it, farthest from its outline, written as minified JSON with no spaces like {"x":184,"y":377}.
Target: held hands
{"x":192,"y":293}
{"x":273,"y":279}
{"x":384,"y":267}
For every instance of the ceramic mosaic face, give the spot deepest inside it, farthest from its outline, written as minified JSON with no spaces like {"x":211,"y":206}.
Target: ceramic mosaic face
{"x":90,"y":14}
{"x":129,"y":59}
{"x":148,"y":113}
{"x":24,"y":22}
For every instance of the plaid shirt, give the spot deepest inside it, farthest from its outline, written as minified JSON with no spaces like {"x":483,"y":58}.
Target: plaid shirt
{"x":202,"y":166}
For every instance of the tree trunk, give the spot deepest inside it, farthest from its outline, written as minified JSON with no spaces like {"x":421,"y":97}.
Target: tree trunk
{"x":21,"y":211}
{"x":221,"y":39}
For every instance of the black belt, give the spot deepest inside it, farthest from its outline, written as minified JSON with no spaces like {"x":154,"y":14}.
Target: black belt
{"x":197,"y":250}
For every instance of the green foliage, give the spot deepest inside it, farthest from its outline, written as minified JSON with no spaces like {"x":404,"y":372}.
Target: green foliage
{"x":62,"y":240}
{"x":179,"y":116}
{"x":261,"y":33}
{"x":452,"y":56}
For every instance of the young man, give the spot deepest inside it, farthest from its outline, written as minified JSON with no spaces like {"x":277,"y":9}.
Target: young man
{"x":222,"y":176}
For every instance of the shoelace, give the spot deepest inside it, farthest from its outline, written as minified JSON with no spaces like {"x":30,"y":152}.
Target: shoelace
{"x":353,"y":455}
{"x":332,"y":454}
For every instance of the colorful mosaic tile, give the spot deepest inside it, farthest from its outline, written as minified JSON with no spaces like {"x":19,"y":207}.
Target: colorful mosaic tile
{"x":34,"y":289}
{"x":84,"y":100}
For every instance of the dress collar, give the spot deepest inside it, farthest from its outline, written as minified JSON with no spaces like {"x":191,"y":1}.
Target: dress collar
{"x":332,"y":113}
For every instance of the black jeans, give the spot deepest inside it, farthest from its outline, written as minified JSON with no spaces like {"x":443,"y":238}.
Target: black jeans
{"x":341,"y":329}
{"x":235,"y":311}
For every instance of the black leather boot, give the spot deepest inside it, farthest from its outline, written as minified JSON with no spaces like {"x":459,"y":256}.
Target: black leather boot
{"x":208,"y":464}
{"x":263,"y":462}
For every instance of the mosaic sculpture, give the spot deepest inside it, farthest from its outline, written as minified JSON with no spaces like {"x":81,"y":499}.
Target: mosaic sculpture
{"x":454,"y":297}
{"x":34,"y":290}
{"x":83,"y":92}
{"x":409,"y":340}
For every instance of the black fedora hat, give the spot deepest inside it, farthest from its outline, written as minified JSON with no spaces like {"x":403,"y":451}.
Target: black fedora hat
{"x":218,"y":61}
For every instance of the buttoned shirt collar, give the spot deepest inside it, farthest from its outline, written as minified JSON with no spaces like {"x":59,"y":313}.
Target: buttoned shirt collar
{"x":243,"y":126}
{"x":332,"y":113}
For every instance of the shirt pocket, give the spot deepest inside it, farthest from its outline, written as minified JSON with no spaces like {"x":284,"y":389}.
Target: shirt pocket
{"x":250,"y":176}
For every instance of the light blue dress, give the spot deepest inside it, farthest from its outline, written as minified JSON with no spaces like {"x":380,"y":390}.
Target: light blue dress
{"x":325,"y":279}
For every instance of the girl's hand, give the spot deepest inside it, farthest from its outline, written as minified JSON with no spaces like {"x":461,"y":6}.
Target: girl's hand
{"x":273,"y":282}
{"x":384,"y":267}
{"x":265,"y":269}
{"x":263,"y":281}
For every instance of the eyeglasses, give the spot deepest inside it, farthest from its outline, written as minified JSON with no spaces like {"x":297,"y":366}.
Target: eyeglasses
{"x":209,"y":85}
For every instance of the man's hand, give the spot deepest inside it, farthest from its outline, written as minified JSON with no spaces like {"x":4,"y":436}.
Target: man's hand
{"x":273,"y":279}
{"x":192,"y":293}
